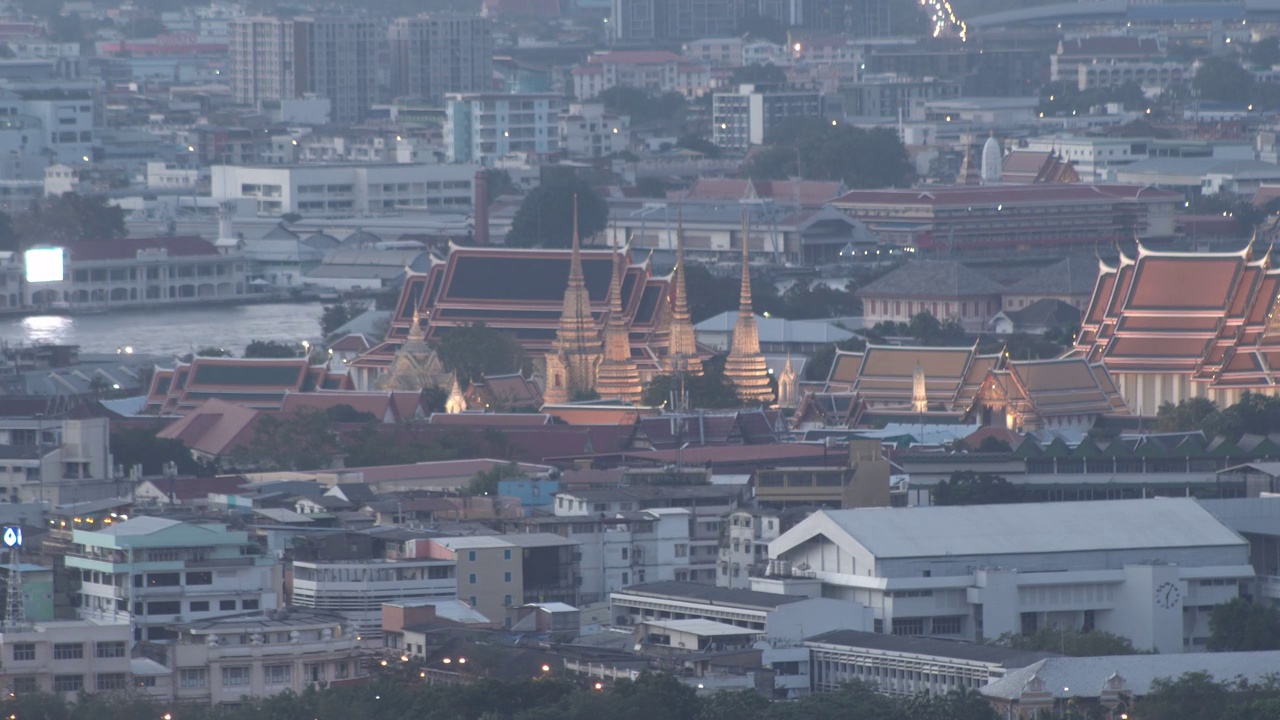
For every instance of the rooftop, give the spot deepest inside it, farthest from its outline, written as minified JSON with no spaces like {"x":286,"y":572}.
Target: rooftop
{"x":960,"y":650}
{"x":1089,"y":675}
{"x":711,"y":595}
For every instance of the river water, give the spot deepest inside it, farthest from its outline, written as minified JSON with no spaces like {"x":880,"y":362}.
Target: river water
{"x":170,"y":331}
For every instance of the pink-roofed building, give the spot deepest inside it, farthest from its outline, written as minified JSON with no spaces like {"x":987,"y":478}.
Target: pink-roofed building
{"x":656,"y":71}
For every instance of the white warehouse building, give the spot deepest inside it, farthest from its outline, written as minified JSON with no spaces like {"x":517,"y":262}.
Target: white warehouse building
{"x":1149,"y":570}
{"x":347,"y":189}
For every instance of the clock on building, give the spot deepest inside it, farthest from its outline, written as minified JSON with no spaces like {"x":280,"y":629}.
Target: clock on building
{"x":1168,"y":595}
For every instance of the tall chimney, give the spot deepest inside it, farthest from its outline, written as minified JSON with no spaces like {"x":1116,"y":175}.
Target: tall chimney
{"x":481,"y":211}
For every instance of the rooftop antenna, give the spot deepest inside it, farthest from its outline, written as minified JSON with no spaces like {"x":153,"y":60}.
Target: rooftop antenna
{"x":15,"y":614}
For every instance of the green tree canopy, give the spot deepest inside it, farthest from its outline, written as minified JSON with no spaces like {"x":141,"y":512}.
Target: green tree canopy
{"x":485,"y":482}
{"x":476,"y":351}
{"x":335,"y":316}
{"x":708,"y":391}
{"x":545,"y":217}
{"x":1223,"y":80}
{"x":132,"y":446}
{"x":69,"y":218}
{"x":1265,"y":52}
{"x":271,"y":349}
{"x":966,"y":487}
{"x":644,"y":108}
{"x":1241,"y":626}
{"x":759,"y":73}
{"x":306,"y":440}
{"x":814,"y":149}
{"x":1069,"y":641}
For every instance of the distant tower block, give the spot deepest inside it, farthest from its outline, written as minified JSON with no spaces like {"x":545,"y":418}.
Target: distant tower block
{"x":919,"y":396}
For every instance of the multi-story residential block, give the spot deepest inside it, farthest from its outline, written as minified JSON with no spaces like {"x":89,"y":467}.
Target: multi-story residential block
{"x":747,"y":117}
{"x":437,"y":54}
{"x":623,"y":548}
{"x":889,"y":96}
{"x":253,"y":655}
{"x":66,"y":657}
{"x":47,"y":457}
{"x":636,"y":22}
{"x":745,"y":548}
{"x":1149,"y":570}
{"x":655,"y":71}
{"x":500,"y":572}
{"x":44,"y":122}
{"x":157,"y":573}
{"x":331,"y":57}
{"x":356,"y":589}
{"x":587,"y":130}
{"x":481,"y":127}
{"x":346,"y":190}
{"x":707,"y":503}
{"x":131,"y":272}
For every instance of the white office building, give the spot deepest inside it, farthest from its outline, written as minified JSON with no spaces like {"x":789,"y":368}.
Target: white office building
{"x":347,"y":190}
{"x":1149,"y":570}
{"x":356,"y":589}
{"x":44,"y":123}
{"x":482,"y":127}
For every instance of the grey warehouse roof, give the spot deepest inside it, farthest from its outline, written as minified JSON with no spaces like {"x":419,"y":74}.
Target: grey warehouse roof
{"x":1087,"y":676}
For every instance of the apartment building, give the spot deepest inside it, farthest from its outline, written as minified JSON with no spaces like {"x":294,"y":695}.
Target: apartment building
{"x":437,"y":54}
{"x":158,"y":572}
{"x":66,"y":657}
{"x":623,"y":548}
{"x":482,"y":127}
{"x":500,"y":572}
{"x":588,"y":131}
{"x":71,"y":455}
{"x":357,"y":588}
{"x":253,"y":655}
{"x":48,"y":122}
{"x":283,"y":59}
{"x":655,"y":71}
{"x":637,"y":22}
{"x":706,"y":503}
{"x":347,"y":189}
{"x":747,"y":117}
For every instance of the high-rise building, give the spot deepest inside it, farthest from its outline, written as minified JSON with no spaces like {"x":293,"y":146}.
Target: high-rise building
{"x":480,"y":127}
{"x":439,"y":54}
{"x":330,"y":57}
{"x":637,"y":21}
{"x":747,"y":116}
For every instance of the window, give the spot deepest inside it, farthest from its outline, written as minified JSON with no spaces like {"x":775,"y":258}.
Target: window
{"x":166,"y":607}
{"x":248,"y":604}
{"x":68,"y":683}
{"x":682,"y":550}
{"x":68,"y":651}
{"x":226,"y":605}
{"x":24,"y":651}
{"x":114,"y":649}
{"x":947,"y":625}
{"x":235,"y":676}
{"x":506,"y":554}
{"x":199,"y":606}
{"x":908,"y":626}
{"x":625,"y":553}
{"x":199,"y":578}
{"x":21,"y":685}
{"x":506,"y":600}
{"x":626,"y":578}
{"x":111,"y":681}
{"x":193,"y":678}
{"x":506,"y":577}
{"x":277,"y":674}
{"x":471,"y":555}
{"x":471,"y":578}
{"x":313,"y":672}
{"x":163,"y":580}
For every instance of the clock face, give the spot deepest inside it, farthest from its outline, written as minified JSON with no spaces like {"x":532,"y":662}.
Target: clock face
{"x":1168,"y":595}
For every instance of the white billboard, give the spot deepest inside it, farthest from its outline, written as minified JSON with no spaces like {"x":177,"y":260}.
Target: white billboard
{"x":44,"y":264}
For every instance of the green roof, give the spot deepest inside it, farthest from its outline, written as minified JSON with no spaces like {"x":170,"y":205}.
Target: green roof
{"x":1087,"y":449}
{"x":1028,"y":448}
{"x":1057,"y":448}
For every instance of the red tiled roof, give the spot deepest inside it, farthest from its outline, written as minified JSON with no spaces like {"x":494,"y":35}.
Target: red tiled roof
{"x":198,"y":488}
{"x":128,"y":248}
{"x":355,"y":342}
{"x":215,"y":428}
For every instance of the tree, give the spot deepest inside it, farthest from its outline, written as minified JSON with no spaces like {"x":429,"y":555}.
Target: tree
{"x":734,"y":705}
{"x":1069,"y":641}
{"x":764,"y":27}
{"x":699,"y":144}
{"x":993,"y":444}
{"x":1266,"y":52}
{"x":290,"y":218}
{"x":8,"y":236}
{"x":819,"y":366}
{"x":305,"y":441}
{"x":815,"y":149}
{"x":207,"y":352}
{"x":271,"y":349}
{"x":966,"y":487}
{"x":709,"y":295}
{"x":69,"y":218}
{"x":132,"y":446}
{"x":476,"y":351}
{"x":1241,"y":626}
{"x":1223,"y":80}
{"x":499,"y":183}
{"x":545,"y":217}
{"x":1189,"y":414}
{"x":642,"y":107}
{"x":651,"y":187}
{"x":335,"y":316}
{"x":485,"y":482}
{"x":1194,"y":696}
{"x":710,"y":390}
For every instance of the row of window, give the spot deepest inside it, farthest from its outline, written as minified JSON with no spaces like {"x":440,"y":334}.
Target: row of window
{"x":26,"y":652}
{"x":71,"y":683}
{"x":174,"y":607}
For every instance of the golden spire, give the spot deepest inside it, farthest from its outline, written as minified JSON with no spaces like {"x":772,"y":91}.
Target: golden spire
{"x":618,"y":375}
{"x":745,"y":367}
{"x":684,"y":344}
{"x":416,"y":333}
{"x":575,"y":354}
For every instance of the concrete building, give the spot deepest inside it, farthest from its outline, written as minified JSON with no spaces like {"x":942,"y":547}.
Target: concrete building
{"x":888,"y":95}
{"x":1135,"y":568}
{"x":138,"y":272}
{"x":330,"y":57}
{"x":746,"y":117}
{"x":356,"y":589}
{"x":785,"y":618}
{"x":346,"y":190}
{"x":66,"y":657}
{"x":436,"y":54}
{"x":482,"y":127}
{"x":254,"y":655}
{"x":500,"y":572}
{"x":44,"y":123}
{"x":156,"y":573}
{"x":622,"y":548}
{"x":654,"y":71}
{"x":71,"y":457}
{"x":588,"y":131}
{"x":640,"y":22}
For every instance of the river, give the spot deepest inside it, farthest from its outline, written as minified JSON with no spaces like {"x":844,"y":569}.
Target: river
{"x":170,"y":331}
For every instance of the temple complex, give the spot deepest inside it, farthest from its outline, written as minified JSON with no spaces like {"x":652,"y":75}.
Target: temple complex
{"x":1170,"y":326}
{"x":617,"y":376}
{"x":577,"y":351}
{"x":683,"y":354}
{"x":745,"y":367}
{"x":415,"y":365}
